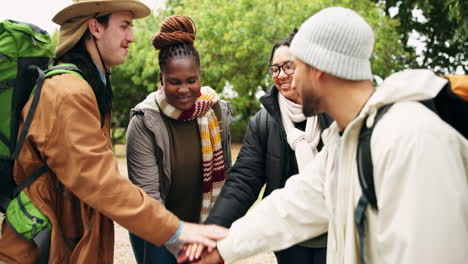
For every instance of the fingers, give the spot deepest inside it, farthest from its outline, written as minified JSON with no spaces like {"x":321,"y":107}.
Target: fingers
{"x":182,"y":257}
{"x":206,"y":235}
{"x":206,"y":241}
{"x":193,"y":251}
{"x":198,"y":251}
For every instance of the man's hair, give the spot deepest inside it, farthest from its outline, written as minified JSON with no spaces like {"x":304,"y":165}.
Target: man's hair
{"x":284,"y":42}
{"x":103,"y":20}
{"x":176,"y":37}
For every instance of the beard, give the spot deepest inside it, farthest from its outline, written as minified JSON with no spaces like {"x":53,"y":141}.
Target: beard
{"x":310,"y":105}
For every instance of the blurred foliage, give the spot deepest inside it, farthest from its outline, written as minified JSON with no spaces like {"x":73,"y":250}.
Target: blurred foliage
{"x":234,"y":39}
{"x":442,"y":26}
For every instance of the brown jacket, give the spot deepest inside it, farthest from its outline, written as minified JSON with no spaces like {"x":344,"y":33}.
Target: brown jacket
{"x":85,"y":191}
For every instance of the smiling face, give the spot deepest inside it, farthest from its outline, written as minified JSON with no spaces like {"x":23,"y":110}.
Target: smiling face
{"x":283,"y":82}
{"x":181,"y":81}
{"x":115,"y":38}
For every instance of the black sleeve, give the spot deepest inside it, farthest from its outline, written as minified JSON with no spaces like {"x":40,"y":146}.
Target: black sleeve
{"x":245,"y":179}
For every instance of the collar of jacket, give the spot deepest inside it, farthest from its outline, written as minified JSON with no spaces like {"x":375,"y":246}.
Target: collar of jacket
{"x":270,"y":102}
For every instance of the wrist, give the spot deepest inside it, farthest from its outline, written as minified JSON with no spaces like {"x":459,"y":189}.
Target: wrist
{"x":174,"y":244}
{"x":177,"y":233}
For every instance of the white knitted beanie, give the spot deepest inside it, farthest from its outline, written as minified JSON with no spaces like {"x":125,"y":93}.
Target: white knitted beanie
{"x":337,"y":41}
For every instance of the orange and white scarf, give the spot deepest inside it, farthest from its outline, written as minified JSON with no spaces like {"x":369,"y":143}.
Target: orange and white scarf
{"x":214,"y":173}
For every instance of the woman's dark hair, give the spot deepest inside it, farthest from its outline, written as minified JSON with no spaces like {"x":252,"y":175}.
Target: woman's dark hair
{"x":79,"y":56}
{"x":176,"y":37}
{"x":284,"y":42}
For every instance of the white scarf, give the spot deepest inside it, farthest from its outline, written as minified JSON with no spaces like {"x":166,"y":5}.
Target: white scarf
{"x":304,"y":143}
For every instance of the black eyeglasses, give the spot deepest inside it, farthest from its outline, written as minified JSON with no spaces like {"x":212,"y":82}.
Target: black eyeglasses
{"x":288,"y":68}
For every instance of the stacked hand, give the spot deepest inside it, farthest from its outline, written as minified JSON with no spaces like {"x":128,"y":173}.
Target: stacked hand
{"x":206,"y":235}
{"x":197,"y":253}
{"x":203,"y":236}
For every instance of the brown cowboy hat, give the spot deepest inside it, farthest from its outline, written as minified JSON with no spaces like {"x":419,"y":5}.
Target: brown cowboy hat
{"x":87,"y":7}
{"x":72,"y":19}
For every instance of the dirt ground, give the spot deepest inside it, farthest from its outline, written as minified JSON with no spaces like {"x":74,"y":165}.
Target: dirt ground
{"x":123,"y":250}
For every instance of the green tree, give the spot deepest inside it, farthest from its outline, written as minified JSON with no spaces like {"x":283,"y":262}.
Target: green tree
{"x":235,"y":40}
{"x":442,"y":26}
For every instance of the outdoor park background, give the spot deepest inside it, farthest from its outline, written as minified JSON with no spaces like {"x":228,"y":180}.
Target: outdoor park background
{"x":235,"y":37}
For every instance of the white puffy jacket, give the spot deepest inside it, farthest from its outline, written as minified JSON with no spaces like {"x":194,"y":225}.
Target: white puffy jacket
{"x":420,"y":170}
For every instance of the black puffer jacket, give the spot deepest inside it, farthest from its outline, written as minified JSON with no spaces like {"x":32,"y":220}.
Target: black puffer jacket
{"x":263,"y":159}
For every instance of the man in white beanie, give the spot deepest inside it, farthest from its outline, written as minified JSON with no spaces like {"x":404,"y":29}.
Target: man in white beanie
{"x":80,"y":189}
{"x":420,"y":163}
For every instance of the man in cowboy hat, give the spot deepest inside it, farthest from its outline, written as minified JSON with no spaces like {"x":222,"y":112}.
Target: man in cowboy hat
{"x":82,"y":193}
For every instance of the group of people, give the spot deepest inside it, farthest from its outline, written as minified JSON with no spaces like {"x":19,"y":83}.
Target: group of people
{"x":185,"y":201}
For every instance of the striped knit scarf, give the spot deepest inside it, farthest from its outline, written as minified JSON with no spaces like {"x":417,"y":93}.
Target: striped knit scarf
{"x":213,"y":159}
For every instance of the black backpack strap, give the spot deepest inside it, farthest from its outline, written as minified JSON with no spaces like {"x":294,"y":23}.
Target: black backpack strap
{"x":366,"y":177}
{"x":31,"y":179}
{"x":30,"y":115}
{"x":6,"y":199}
{"x":264,"y":126}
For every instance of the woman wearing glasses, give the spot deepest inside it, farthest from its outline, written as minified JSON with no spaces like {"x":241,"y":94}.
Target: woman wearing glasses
{"x":278,"y":143}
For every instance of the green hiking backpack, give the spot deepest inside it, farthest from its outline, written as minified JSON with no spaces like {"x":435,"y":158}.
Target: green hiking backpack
{"x":21,"y":45}
{"x":25,"y":56}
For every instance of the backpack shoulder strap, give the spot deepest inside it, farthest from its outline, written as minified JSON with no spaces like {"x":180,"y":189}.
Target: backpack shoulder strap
{"x":42,"y":75}
{"x":64,"y":68}
{"x":32,"y":110}
{"x":364,"y":158}
{"x":264,"y":120}
{"x":366,"y":177}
